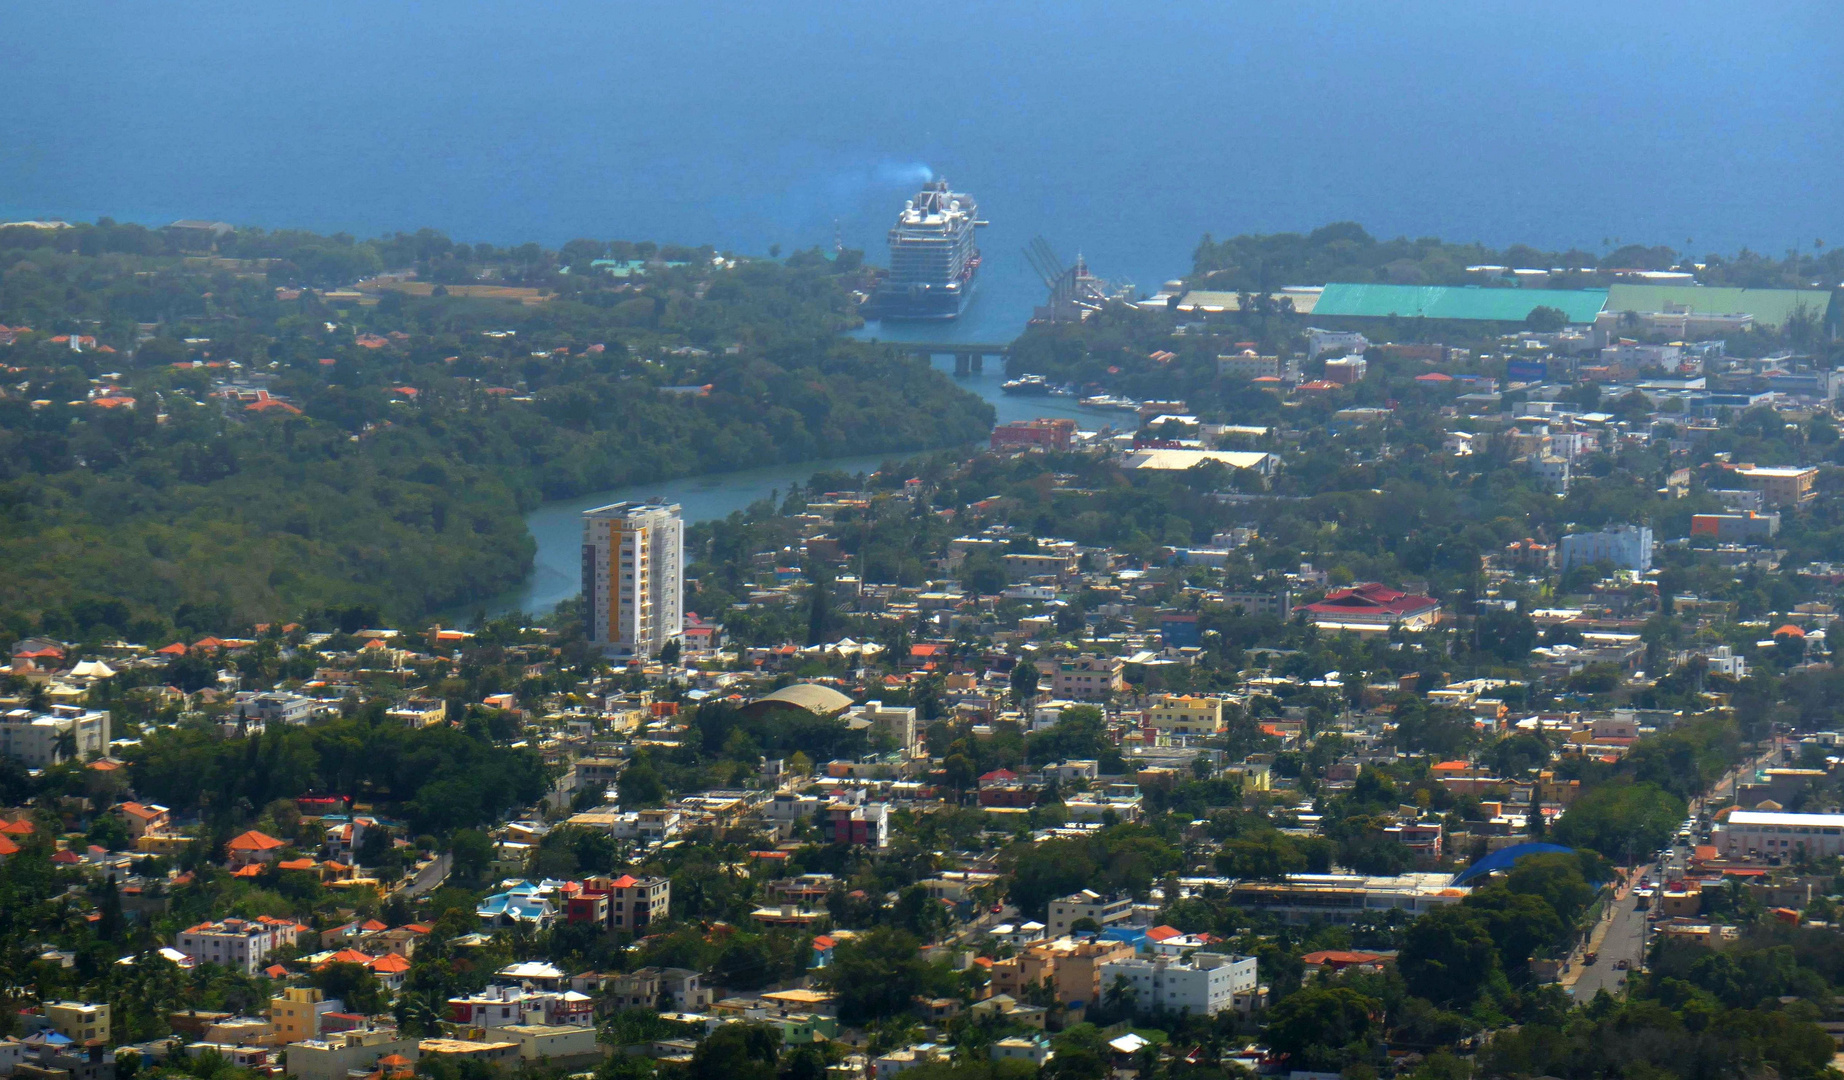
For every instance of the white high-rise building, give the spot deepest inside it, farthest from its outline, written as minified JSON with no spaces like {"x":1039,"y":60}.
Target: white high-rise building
{"x":1627,"y":547}
{"x":634,"y":576}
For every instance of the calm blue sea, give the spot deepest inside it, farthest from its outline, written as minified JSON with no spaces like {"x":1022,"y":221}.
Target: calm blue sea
{"x":1123,"y":130}
{"x":1120,"y":130}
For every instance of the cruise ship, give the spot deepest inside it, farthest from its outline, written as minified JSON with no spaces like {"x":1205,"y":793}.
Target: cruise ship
{"x":933,"y":259}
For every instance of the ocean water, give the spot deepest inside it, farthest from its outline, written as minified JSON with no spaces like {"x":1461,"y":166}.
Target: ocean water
{"x":1121,"y":130}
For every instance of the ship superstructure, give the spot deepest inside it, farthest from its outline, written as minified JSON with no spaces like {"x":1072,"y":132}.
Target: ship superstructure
{"x":933,"y":258}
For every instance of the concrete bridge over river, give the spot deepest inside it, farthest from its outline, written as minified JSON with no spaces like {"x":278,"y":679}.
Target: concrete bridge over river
{"x":969,"y":356}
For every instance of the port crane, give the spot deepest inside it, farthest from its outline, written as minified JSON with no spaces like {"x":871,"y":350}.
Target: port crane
{"x":1074,"y":292}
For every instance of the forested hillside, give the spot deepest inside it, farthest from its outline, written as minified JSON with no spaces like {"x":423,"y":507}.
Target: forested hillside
{"x":199,"y":439}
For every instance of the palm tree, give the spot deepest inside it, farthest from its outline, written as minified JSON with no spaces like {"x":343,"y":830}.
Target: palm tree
{"x":418,"y":1014}
{"x":1121,"y":999}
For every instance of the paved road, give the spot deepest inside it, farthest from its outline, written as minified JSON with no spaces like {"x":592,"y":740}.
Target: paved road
{"x":430,"y":877}
{"x":982,"y":922}
{"x":1725,"y":787}
{"x":1624,"y":939}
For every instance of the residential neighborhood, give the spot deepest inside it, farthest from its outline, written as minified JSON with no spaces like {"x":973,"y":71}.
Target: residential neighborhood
{"x":1345,"y":688}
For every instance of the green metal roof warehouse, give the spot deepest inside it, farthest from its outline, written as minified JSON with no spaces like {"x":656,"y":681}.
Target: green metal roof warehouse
{"x":1456,"y":302}
{"x":1770,"y":307}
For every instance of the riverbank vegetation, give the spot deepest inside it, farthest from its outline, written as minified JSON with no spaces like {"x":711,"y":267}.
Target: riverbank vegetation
{"x":289,"y":424}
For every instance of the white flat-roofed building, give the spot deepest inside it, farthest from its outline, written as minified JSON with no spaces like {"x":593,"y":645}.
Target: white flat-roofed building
{"x":1088,"y":904}
{"x":341,"y":1052}
{"x":1018,"y":934}
{"x":1720,"y":660}
{"x":1551,"y":471}
{"x":1319,"y":342}
{"x":896,"y":721}
{"x":1627,"y":547}
{"x":1766,"y":832}
{"x":495,"y":1006}
{"x":1207,"y":984}
{"x":1302,"y":898}
{"x":274,"y":707}
{"x":239,"y":944}
{"x":1248,"y":364}
{"x":1034,"y":1049}
{"x":40,"y":740}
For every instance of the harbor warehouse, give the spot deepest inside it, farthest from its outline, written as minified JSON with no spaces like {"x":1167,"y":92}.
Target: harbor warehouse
{"x":1463,"y":302}
{"x":1178,"y":460}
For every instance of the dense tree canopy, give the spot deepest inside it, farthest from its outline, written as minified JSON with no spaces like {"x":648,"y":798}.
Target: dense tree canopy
{"x":1622,"y":821}
{"x":150,"y":486}
{"x":442,"y":777}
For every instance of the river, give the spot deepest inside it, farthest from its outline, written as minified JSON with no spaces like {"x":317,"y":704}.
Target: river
{"x":556,"y":572}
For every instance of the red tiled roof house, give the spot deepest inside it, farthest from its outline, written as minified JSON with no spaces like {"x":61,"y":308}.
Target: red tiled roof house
{"x":1372,"y":605}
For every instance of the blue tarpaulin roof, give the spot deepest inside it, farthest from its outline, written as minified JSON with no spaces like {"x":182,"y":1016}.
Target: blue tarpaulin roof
{"x":1504,"y":857}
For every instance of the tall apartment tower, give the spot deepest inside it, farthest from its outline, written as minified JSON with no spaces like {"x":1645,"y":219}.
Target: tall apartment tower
{"x":634,"y":576}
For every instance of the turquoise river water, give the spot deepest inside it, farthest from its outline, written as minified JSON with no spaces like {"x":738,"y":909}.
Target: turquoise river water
{"x":557,"y":526}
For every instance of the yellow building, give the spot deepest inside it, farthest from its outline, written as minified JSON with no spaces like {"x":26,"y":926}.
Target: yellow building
{"x":144,"y":818}
{"x":1254,"y":777}
{"x":791,"y":1002}
{"x":1182,"y":714}
{"x":421,"y":712}
{"x":1552,"y":790}
{"x":489,"y":1053}
{"x":295,"y":1015}
{"x":78,"y":1021}
{"x":164,"y":844}
{"x":1072,"y":968}
{"x":1782,"y":486}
